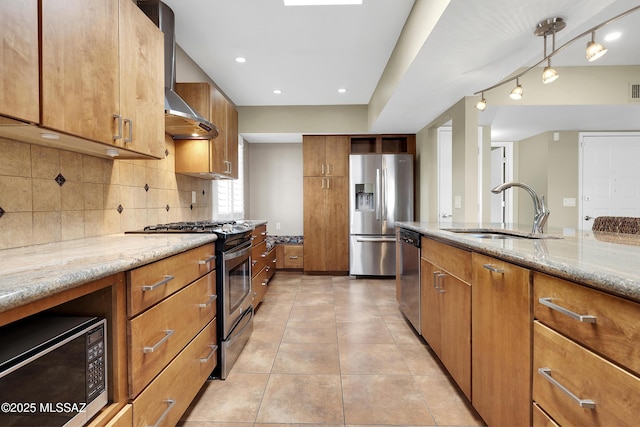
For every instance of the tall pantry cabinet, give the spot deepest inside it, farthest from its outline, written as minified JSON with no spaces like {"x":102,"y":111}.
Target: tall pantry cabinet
{"x":326,"y":203}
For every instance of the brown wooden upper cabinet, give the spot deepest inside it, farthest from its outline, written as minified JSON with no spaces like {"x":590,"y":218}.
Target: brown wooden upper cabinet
{"x":325,"y":155}
{"x":217,"y":157}
{"x":102,"y":74}
{"x":383,"y":144}
{"x":19,"y":93}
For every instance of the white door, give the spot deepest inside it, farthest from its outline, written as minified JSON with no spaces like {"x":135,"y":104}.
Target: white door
{"x":445,"y":173}
{"x":610,"y":176}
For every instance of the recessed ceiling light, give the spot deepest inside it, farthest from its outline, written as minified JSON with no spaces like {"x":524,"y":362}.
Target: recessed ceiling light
{"x":277,"y":91}
{"x":320,"y":2}
{"x":612,"y":36}
{"x":241,"y":59}
{"x":342,"y":90}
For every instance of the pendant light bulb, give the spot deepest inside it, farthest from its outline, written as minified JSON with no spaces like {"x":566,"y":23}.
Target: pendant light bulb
{"x":594,"y":50}
{"x":549,"y":74}
{"x":482,"y":104}
{"x":517,"y":91}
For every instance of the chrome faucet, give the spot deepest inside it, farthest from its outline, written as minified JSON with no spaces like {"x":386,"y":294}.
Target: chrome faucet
{"x":541,"y":213}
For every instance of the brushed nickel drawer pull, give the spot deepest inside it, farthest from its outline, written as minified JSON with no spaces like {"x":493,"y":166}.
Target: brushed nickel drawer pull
{"x":585,"y":318}
{"x":119,"y":135}
{"x":153,"y":348}
{"x":128,"y":140}
{"x":207,"y":261}
{"x":164,"y":281}
{"x":170,"y":403}
{"x":211,"y":353}
{"x":264,"y":233}
{"x":493,"y":269}
{"x":293,"y":257}
{"x":212,"y":298}
{"x":584,"y":403}
{"x":263,"y":255}
{"x":264,"y":282}
{"x":254,"y":262}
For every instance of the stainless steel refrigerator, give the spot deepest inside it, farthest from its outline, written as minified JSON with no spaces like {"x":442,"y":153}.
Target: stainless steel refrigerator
{"x":381,"y":193}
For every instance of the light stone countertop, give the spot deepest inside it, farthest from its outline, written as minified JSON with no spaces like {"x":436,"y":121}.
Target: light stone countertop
{"x":604,"y":261}
{"x":33,"y":272}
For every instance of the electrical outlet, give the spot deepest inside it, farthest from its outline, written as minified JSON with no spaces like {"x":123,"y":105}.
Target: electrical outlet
{"x":277,"y":226}
{"x":568,"y":202}
{"x":457,"y":202}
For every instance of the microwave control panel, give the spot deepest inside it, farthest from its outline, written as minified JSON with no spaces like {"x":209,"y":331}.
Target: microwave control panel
{"x":96,"y":363}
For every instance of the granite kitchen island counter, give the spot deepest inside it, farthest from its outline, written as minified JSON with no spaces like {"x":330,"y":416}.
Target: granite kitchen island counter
{"x":605,"y":261}
{"x":33,"y":272}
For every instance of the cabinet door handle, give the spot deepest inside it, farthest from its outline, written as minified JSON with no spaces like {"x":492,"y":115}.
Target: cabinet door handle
{"x":322,"y":184}
{"x":293,"y":257}
{"x":584,"y":403}
{"x":164,"y":281}
{"x":128,"y":140}
{"x":328,"y":169}
{"x":211,"y":353}
{"x":265,"y":282}
{"x":493,"y":268}
{"x":328,"y":183}
{"x":585,"y":318}
{"x":154,"y":347}
{"x":170,"y":403}
{"x":322,"y":169}
{"x":211,"y":299}
{"x":437,"y":281}
{"x":118,"y":117}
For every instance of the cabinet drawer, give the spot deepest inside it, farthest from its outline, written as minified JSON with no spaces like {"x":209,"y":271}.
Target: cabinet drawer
{"x":170,"y":394}
{"x":159,"y":333}
{"x":271,"y":261}
{"x":587,"y":376}
{"x":541,"y":419}
{"x":259,"y":285}
{"x":614,"y":334}
{"x":151,"y":283}
{"x":258,"y":257}
{"x":293,"y":256}
{"x":259,"y":234}
{"x":123,"y":418}
{"x":456,"y":262}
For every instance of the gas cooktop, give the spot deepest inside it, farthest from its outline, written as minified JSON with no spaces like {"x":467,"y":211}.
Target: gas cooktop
{"x":217,"y":227}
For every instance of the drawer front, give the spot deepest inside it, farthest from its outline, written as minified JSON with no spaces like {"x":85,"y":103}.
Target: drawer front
{"x":258,"y":257}
{"x":123,"y":418}
{"x":454,"y":261}
{"x":615,"y":333}
{"x":170,"y":394}
{"x":587,"y":376}
{"x":259,"y":285}
{"x":293,"y":256}
{"x":158,"y":334}
{"x":259,"y":234}
{"x":271,"y":261}
{"x":541,"y":419}
{"x":153,"y":282}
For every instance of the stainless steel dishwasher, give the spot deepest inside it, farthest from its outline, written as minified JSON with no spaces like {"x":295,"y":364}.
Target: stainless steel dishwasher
{"x":408,"y":276}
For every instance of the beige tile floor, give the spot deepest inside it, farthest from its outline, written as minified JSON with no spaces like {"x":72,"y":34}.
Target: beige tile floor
{"x":327,"y":350}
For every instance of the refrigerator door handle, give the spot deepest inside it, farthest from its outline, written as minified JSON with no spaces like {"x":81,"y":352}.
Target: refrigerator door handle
{"x":384,"y":194}
{"x":391,"y":239}
{"x":379,"y":199}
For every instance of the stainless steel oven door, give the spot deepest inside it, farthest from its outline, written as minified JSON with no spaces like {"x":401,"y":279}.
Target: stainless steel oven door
{"x":236,"y":286}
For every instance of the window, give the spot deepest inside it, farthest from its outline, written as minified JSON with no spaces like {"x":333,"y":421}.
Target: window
{"x":229,"y":193}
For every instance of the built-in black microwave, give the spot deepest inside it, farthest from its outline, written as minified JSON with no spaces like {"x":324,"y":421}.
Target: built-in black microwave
{"x":53,"y":371}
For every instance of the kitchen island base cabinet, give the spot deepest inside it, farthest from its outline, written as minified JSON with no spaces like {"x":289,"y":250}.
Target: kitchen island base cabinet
{"x":501,"y":342}
{"x":446,"y":308}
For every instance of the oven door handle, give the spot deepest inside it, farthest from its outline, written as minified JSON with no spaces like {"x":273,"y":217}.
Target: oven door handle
{"x":237,"y":252}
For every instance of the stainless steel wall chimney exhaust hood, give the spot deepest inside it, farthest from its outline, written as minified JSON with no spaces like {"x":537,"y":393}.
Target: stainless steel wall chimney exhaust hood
{"x":181,"y":121}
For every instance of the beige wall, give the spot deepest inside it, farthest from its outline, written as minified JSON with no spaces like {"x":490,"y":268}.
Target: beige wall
{"x":276,"y":186}
{"x":38,"y":210}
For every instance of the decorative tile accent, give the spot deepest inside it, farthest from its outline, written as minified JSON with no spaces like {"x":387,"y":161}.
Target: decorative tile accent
{"x":1,"y":212}
{"x":167,"y":208}
{"x":166,"y":152}
{"x":120,"y":209}
{"x":203,"y":192}
{"x":146,"y":187}
{"x":191,"y":207}
{"x":60,"y":180}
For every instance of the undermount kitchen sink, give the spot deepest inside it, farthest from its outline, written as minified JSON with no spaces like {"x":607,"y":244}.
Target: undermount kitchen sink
{"x":493,"y":233}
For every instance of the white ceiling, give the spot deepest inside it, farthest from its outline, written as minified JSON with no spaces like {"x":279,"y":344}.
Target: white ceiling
{"x":310,"y":52}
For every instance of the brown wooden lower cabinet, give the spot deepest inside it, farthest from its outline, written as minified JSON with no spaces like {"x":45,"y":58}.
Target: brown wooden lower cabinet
{"x":501,"y":342}
{"x":289,"y":256}
{"x":164,"y":401}
{"x":124,"y":418}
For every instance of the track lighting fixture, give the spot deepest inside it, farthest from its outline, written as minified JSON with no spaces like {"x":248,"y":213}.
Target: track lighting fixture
{"x":595,"y":50}
{"x":482,"y":104}
{"x":550,"y":27}
{"x":517,"y":91}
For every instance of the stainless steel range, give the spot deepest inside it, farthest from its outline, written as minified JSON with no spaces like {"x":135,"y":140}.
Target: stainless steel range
{"x":233,"y":277}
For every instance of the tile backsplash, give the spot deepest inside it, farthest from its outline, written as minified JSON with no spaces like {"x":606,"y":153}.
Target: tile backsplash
{"x":49,"y":195}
